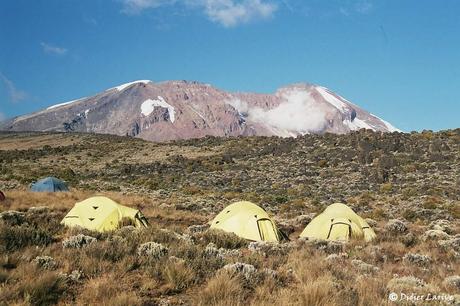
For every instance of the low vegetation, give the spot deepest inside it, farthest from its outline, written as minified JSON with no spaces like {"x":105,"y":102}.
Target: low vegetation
{"x":406,"y":185}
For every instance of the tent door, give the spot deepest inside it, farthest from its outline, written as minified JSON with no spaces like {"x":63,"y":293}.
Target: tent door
{"x":339,"y":229}
{"x":267,"y":230}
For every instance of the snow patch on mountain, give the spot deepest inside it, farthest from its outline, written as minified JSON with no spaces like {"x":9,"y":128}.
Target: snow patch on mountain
{"x":357,"y":124}
{"x":148,"y":106}
{"x":196,"y":112}
{"x":332,"y":99}
{"x":388,"y":125}
{"x":124,"y":86}
{"x":63,"y":104}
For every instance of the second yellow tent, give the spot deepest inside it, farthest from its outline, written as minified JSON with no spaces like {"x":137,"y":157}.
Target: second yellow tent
{"x":247,"y":220}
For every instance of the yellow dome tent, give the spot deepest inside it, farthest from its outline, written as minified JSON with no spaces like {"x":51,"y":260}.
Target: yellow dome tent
{"x":338,"y":222}
{"x":247,"y":220}
{"x":102,"y":214}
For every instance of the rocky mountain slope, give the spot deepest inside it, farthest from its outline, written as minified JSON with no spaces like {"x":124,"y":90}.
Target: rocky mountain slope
{"x":182,"y":110}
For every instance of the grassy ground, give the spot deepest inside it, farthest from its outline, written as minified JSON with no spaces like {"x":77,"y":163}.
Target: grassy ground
{"x":413,"y":178}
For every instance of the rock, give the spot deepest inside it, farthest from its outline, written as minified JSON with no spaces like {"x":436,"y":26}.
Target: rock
{"x":452,"y":281}
{"x":152,"y":250}
{"x":396,"y":226}
{"x":78,"y":241}
{"x":435,"y":234}
{"x":12,"y":217}
{"x":405,"y":282}
{"x":45,"y":262}
{"x":246,"y":270}
{"x":364,"y":267}
{"x":417,"y":259}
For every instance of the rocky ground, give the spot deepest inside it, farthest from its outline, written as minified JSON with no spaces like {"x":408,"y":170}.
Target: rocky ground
{"x":406,"y":185}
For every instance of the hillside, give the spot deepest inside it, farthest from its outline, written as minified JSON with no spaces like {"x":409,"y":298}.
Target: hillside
{"x":407,"y":185}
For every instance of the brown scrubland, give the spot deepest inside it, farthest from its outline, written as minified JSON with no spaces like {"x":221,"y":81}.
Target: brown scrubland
{"x":407,"y":186}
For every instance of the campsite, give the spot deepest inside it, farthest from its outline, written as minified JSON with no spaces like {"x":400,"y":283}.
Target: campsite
{"x":229,"y":153}
{"x":196,"y":222}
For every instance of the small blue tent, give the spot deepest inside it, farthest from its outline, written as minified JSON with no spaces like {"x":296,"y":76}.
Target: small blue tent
{"x":49,"y":184}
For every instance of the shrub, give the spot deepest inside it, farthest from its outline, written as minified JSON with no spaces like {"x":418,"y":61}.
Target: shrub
{"x":432,"y":202}
{"x":45,"y":262}
{"x":113,"y":249}
{"x":13,"y":238}
{"x":178,"y":275}
{"x":77,"y":242}
{"x":152,"y":250}
{"x":318,"y":292}
{"x":417,"y":259}
{"x":396,"y":226}
{"x":3,"y":277}
{"x":223,"y":239}
{"x":386,"y":188}
{"x":12,"y":217}
{"x":199,"y":260}
{"x":106,"y":291}
{"x":43,"y":289}
{"x":223,"y":289}
{"x":246,"y":270}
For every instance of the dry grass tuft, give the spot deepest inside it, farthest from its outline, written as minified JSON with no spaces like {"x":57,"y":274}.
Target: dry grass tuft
{"x":225,"y":289}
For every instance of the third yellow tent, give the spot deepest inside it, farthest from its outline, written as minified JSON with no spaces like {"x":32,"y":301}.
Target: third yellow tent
{"x":338,"y":222}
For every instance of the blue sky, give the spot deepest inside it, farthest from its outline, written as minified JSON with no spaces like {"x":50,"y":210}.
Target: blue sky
{"x":397,"y":59}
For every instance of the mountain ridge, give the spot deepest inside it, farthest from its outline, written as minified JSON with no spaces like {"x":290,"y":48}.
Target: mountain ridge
{"x":172,"y":110}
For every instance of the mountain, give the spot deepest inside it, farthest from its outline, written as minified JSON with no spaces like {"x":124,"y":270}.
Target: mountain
{"x":182,"y":110}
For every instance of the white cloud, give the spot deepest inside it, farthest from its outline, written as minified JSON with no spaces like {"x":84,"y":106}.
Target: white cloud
{"x":364,"y":7}
{"x":2,"y":116}
{"x":137,"y":6}
{"x":344,"y":11}
{"x":15,"y":95}
{"x":298,"y":114}
{"x":228,"y":13}
{"x":50,"y":49}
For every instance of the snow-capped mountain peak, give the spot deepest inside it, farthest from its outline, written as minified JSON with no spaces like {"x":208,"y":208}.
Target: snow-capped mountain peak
{"x":126,"y":85}
{"x":181,"y":110}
